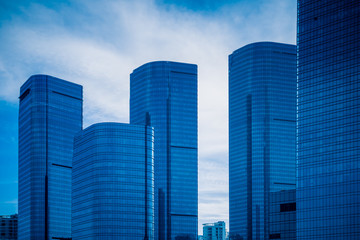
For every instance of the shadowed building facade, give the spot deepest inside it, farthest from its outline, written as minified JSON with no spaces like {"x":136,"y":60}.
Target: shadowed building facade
{"x":113,"y":182}
{"x":50,"y":114}
{"x":328,"y":124}
{"x":262,"y":112}
{"x":166,"y":92}
{"x":282,"y":221}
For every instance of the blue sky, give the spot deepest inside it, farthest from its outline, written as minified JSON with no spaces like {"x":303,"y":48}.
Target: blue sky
{"x":98,"y":44}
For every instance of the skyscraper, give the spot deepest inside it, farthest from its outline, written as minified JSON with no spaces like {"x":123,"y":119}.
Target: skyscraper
{"x":328,"y":127}
{"x":49,"y":116}
{"x":113,"y":182}
{"x":166,"y":92}
{"x":262,"y":112}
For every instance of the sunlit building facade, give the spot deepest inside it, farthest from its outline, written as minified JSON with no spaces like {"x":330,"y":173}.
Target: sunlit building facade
{"x":262,"y":113}
{"x":113,"y":183}
{"x":164,"y":94}
{"x":50,"y":114}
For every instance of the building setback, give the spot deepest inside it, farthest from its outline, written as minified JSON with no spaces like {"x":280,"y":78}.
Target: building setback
{"x":328,"y":123}
{"x":166,"y":93}
{"x":50,"y":114}
{"x":262,"y":112}
{"x":113,"y":182}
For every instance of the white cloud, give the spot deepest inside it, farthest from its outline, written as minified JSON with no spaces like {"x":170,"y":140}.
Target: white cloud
{"x":98,"y":44}
{"x":14,"y":201}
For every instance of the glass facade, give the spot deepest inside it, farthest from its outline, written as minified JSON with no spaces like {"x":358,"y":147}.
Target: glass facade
{"x":262,"y":113}
{"x":282,"y":219}
{"x":328,"y":139}
{"x":9,"y":227}
{"x":50,"y":114}
{"x":113,"y":182}
{"x":165,"y":95}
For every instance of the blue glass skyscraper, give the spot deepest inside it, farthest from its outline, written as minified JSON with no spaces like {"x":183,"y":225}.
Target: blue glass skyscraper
{"x":328,"y":123}
{"x":166,"y":92}
{"x":49,"y":116}
{"x":113,"y":182}
{"x":262,"y":112}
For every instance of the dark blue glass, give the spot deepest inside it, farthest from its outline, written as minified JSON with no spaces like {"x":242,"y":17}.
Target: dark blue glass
{"x":282,"y":221}
{"x":113,"y":182}
{"x":328,"y":124}
{"x":49,"y":116}
{"x":165,"y":95}
{"x":262,"y":112}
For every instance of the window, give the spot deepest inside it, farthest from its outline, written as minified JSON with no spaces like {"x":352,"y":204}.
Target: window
{"x":275,"y":236}
{"x":288,"y":207}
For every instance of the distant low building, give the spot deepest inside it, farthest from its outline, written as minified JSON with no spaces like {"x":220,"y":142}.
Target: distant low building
{"x":214,"y":231}
{"x":8,"y":227}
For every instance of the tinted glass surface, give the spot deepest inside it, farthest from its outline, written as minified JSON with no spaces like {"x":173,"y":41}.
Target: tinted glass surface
{"x":282,"y":221}
{"x":50,"y":114}
{"x":113,"y":182}
{"x":328,"y":196}
{"x":167,"y":91}
{"x":262,"y":112}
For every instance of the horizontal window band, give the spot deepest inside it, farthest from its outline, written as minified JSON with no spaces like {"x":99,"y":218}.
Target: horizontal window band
{"x":284,"y":120}
{"x":293,"y":54}
{"x":61,"y":165}
{"x":183,"y":215}
{"x":24,"y":94}
{"x":194,"y":74}
{"x":292,"y":184}
{"x":182,"y":147}
{"x":66,"y":95}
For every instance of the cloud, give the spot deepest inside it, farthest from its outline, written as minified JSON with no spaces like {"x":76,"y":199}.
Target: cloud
{"x":15,"y":201}
{"x":213,"y":189}
{"x":10,"y":207}
{"x":98,"y":44}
